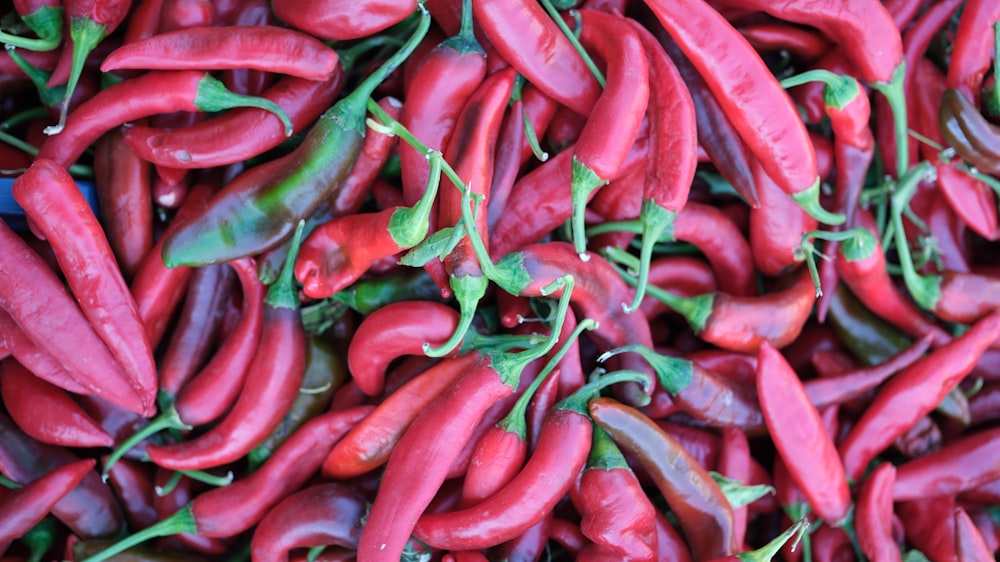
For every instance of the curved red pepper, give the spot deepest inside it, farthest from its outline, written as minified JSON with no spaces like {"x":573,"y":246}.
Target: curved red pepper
{"x":249,"y":132}
{"x":261,"y":47}
{"x":970,"y":544}
{"x":754,"y":102}
{"x":958,"y":466}
{"x":17,"y":344}
{"x":913,"y":393}
{"x":873,"y":515}
{"x":972,"y":51}
{"x":324,"y":514}
{"x":23,"y":508}
{"x":611,"y":129}
{"x":395,"y":330}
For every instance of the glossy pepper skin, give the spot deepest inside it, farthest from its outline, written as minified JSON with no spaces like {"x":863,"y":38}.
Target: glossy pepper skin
{"x":21,"y":509}
{"x":704,"y":514}
{"x":337,"y":21}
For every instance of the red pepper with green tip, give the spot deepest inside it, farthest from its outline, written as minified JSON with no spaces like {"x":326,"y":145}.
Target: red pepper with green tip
{"x":704,"y":514}
{"x":59,"y":210}
{"x":614,"y":123}
{"x":250,"y":131}
{"x":616,"y":513}
{"x":44,"y":18}
{"x":674,"y":139}
{"x":257,"y":210}
{"x":151,"y":93}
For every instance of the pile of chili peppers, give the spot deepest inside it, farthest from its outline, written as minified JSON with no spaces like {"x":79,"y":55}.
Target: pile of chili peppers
{"x":504,"y":280}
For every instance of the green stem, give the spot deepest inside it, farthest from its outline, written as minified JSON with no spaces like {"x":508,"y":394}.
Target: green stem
{"x":76,"y":170}
{"x":896,"y":96}
{"x":168,"y":419}
{"x":925,"y":289}
{"x":368,"y":86}
{"x":170,"y":486}
{"x":314,"y":553}
{"x":655,"y":220}
{"x":208,"y":478}
{"x":180,"y":522}
{"x":557,"y":17}
{"x":862,"y":244}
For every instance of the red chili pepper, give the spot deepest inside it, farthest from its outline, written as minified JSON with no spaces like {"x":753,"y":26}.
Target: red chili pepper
{"x":47,"y":412}
{"x":674,"y":139}
{"x":251,"y":131}
{"x":22,"y":509}
{"x":873,"y":515}
{"x":791,"y":421}
{"x":770,"y":36}
{"x":273,"y":381}
{"x":268,"y":48}
{"x":182,"y":14}
{"x":134,"y":98}
{"x":132,"y":482}
{"x":90,"y":22}
{"x":776,"y":227}
{"x":862,"y":267}
{"x":532,"y":43}
{"x":44,"y":18}
{"x":841,"y":387}
{"x":612,"y":127}
{"x":123,"y":192}
{"x":968,"y":132}
{"x":214,"y":388}
{"x":423,"y":456}
{"x":46,"y":312}
{"x":954,"y":468}
{"x":704,"y":514}
{"x":89,"y":509}
{"x":395,"y":330}
{"x":470,"y":151}
{"x":173,"y":491}
{"x":546,"y":477}
{"x":929,"y":524}
{"x":615,"y":511}
{"x":230,"y":510}
{"x":372,"y":440}
{"x":323,"y":514}
{"x":703,"y":393}
{"x":55,"y":205}
{"x":972,"y":51}
{"x":567,"y":534}
{"x":753,"y":100}
{"x":200,"y":319}
{"x":913,"y":393}
{"x":18,"y":345}
{"x":335,"y":21}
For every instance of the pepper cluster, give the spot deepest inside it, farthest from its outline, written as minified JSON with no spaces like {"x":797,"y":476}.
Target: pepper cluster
{"x":483,"y":280}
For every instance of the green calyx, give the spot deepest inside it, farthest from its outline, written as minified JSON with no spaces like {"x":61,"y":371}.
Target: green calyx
{"x":896,"y":96}
{"x":509,"y":365}
{"x":283,"y":293}
{"x":767,"y":552}
{"x":85,"y":34}
{"x":577,"y":402}
{"x":808,"y":199}
{"x":655,"y":221}
{"x":468,"y":291}
{"x":674,"y":373}
{"x":213,"y":96}
{"x":46,"y":23}
{"x":855,"y":244}
{"x":167,"y":420}
{"x":465,"y":42}
{"x":604,"y":453}
{"x":839,"y":91}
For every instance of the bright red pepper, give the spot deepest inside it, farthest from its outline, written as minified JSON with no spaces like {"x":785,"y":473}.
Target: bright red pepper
{"x":959,"y":465}
{"x":54,"y":203}
{"x":972,"y":51}
{"x":268,"y":48}
{"x":21,"y":509}
{"x":17,"y":344}
{"x":337,"y":21}
{"x":792,"y":420}
{"x":44,"y":18}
